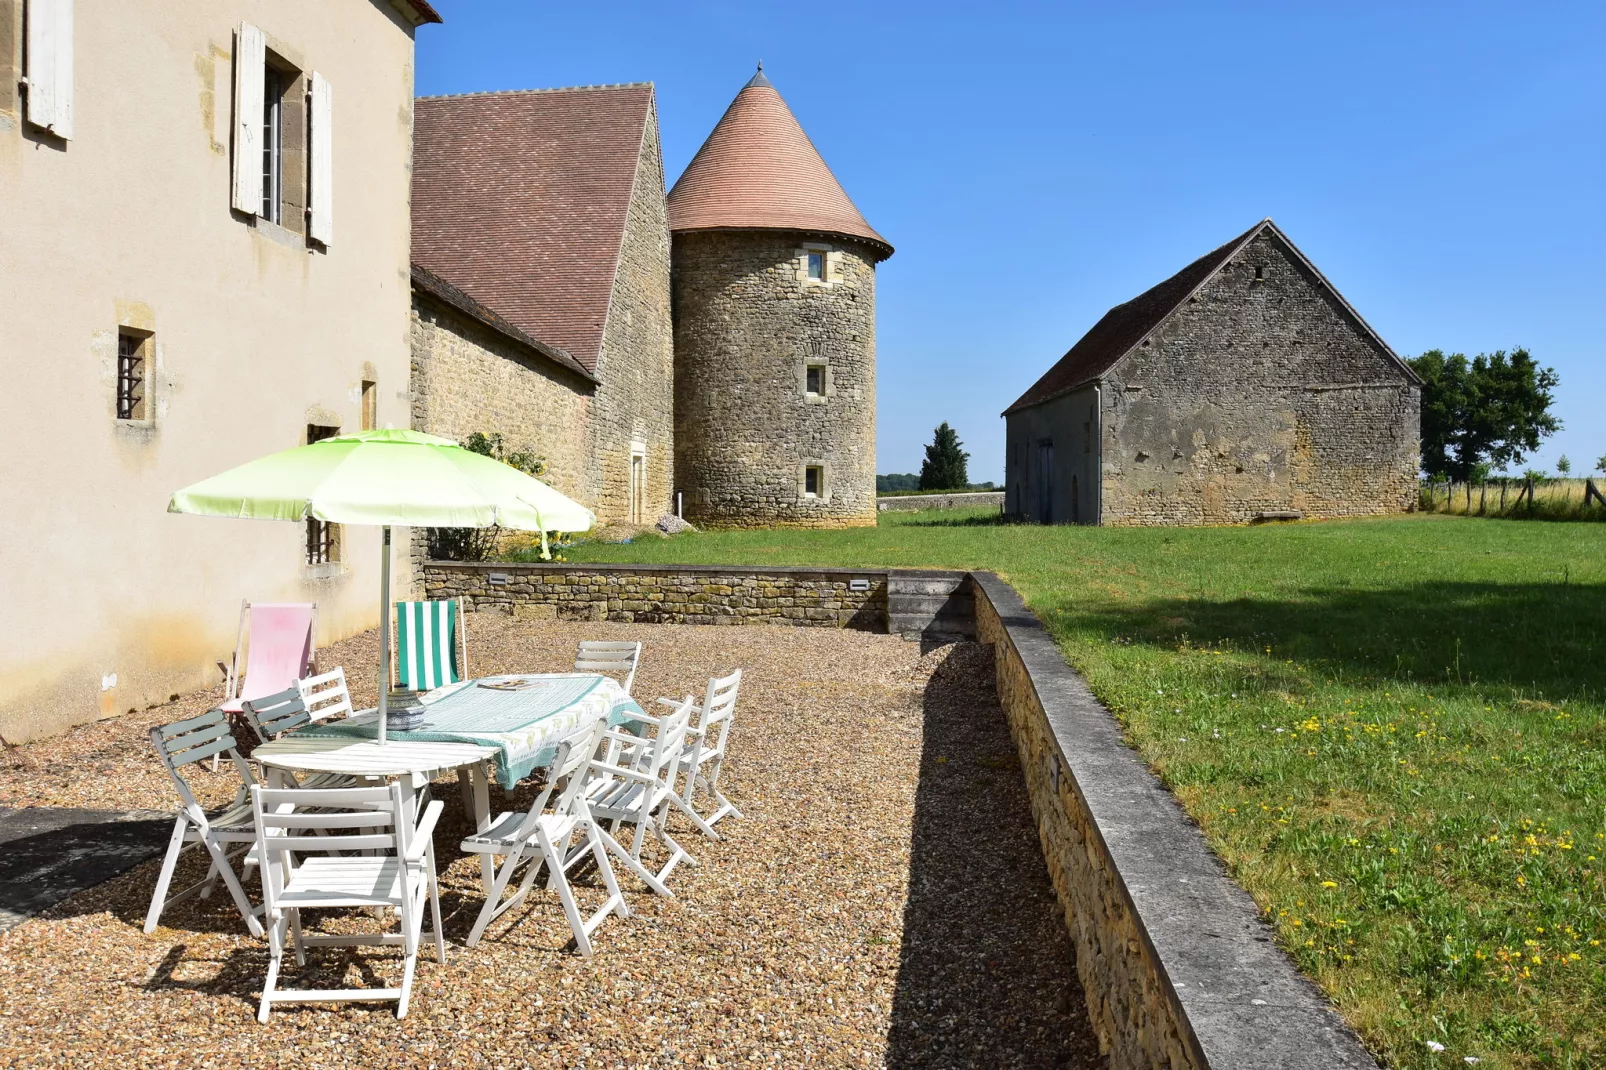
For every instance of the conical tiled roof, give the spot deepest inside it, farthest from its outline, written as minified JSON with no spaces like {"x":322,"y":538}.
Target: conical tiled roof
{"x":758,"y":170}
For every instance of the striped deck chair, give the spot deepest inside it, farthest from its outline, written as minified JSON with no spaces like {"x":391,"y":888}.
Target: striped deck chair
{"x":429,"y":636}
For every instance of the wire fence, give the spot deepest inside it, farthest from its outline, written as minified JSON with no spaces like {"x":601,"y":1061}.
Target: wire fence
{"x":1517,"y":499}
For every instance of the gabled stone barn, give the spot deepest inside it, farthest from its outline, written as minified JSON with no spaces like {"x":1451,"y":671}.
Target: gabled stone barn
{"x":1242,"y":388}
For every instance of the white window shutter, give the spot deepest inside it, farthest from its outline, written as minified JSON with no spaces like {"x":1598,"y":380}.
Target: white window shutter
{"x":250,"y":63}
{"x":50,"y":65}
{"x":320,"y":172}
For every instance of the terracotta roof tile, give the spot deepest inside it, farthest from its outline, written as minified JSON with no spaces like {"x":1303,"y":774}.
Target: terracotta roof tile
{"x":759,"y":170}
{"x":520,"y":200}
{"x":1124,"y":326}
{"x":426,"y":281}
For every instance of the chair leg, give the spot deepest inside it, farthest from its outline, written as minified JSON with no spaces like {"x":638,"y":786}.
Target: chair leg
{"x":697,"y":819}
{"x":616,"y":898}
{"x":232,"y":883}
{"x":494,"y":906}
{"x":435,"y":906}
{"x":646,"y":875}
{"x":275,"y":957}
{"x":175,"y":845}
{"x":210,"y":882}
{"x":571,"y":909}
{"x":295,"y":937}
{"x":407,"y":982}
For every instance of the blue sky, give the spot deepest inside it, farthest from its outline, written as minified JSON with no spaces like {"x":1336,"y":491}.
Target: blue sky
{"x":1035,"y":164}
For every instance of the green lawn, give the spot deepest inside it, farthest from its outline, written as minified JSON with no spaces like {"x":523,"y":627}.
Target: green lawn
{"x":1392,"y":731}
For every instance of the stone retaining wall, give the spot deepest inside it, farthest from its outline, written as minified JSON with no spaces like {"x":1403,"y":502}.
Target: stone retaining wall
{"x":668,"y":594}
{"x":964,"y":500}
{"x":1178,"y":969}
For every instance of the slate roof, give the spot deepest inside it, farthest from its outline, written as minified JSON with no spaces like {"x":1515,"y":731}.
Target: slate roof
{"x":520,"y":200}
{"x":758,"y":170}
{"x":1125,"y":326}
{"x":429,"y":283}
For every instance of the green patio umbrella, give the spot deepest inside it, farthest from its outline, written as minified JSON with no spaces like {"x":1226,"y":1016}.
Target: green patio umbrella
{"x":385,"y":477}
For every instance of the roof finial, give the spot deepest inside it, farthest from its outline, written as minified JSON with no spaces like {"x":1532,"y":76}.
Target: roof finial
{"x":757,"y":79}
{"x":760,"y":66}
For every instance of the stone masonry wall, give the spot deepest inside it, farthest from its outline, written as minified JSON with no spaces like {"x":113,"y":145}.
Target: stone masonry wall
{"x":748,"y":323}
{"x":1178,"y":970}
{"x":673,"y":594}
{"x":467,"y":378}
{"x":1262,"y":394}
{"x":634,"y":409}
{"x":958,"y":500}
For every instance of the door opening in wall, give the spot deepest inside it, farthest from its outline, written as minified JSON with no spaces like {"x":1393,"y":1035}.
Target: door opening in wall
{"x":1045,"y":482}
{"x":638,"y":488}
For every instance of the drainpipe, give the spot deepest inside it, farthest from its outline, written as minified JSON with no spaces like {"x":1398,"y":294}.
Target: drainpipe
{"x":1098,"y":454}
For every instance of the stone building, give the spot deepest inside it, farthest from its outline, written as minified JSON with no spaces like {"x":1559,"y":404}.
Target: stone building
{"x":205,"y":253}
{"x":1244,"y":387}
{"x":774,"y":290}
{"x":541,"y":286}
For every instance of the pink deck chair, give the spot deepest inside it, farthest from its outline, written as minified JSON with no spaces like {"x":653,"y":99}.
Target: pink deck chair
{"x":281,"y":651}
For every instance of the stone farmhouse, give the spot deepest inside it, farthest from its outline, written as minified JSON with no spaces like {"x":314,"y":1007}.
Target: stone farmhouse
{"x":1242,"y":388}
{"x":712,"y":350}
{"x":204,"y":219}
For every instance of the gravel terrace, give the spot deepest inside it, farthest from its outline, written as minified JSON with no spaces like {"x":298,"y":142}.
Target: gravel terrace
{"x":884,"y":903}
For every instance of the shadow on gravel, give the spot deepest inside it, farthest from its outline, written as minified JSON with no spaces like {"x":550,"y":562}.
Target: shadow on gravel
{"x":987,"y":975}
{"x":48,"y":854}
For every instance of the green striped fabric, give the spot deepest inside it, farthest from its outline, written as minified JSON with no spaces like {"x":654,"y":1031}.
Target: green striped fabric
{"x":426,"y":645}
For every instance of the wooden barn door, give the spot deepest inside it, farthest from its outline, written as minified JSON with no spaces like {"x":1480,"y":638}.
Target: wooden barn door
{"x":1045,"y":482}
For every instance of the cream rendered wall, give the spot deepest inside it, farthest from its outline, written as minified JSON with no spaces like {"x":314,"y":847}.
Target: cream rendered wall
{"x":256,"y":336}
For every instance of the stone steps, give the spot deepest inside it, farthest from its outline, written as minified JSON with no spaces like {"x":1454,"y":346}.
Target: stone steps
{"x":930,"y":606}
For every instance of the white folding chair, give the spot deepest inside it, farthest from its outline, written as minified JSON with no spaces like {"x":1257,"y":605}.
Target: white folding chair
{"x":609,"y":658}
{"x":327,"y":829}
{"x":640,"y":790}
{"x":184,"y":743}
{"x":535,"y":839}
{"x":325,"y":695}
{"x":704,"y":755}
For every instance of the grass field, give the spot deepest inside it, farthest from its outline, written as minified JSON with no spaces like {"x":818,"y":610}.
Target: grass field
{"x":1393,"y":731}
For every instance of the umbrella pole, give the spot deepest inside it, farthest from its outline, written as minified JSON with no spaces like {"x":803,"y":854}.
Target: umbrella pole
{"x":384,"y":628}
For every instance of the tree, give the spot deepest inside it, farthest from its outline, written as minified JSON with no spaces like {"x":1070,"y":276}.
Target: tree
{"x":944,"y":466}
{"x":1563,"y":465}
{"x":897,"y":481}
{"x":1600,"y":465}
{"x":1489,"y":412}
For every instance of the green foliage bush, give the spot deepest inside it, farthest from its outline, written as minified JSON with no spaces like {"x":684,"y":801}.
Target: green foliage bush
{"x":476,"y":544}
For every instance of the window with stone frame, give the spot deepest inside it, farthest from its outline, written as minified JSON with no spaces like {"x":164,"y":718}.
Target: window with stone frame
{"x":814,"y":380}
{"x":816,"y":264}
{"x":370,"y":405}
{"x":133,"y":374}
{"x":814,"y":481}
{"x":323,"y":538}
{"x":284,"y":137}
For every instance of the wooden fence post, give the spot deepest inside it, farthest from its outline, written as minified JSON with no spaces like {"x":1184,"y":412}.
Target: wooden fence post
{"x":1591,"y":491}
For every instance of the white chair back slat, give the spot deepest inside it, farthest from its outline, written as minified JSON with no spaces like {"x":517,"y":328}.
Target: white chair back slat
{"x":705,"y":758}
{"x":611,"y":658}
{"x":326,"y":695}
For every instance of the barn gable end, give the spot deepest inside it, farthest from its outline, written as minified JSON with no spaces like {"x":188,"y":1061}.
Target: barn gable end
{"x":1247,"y":388}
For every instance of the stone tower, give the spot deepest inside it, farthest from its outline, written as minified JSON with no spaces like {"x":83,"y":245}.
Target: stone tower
{"x":774,"y":315}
